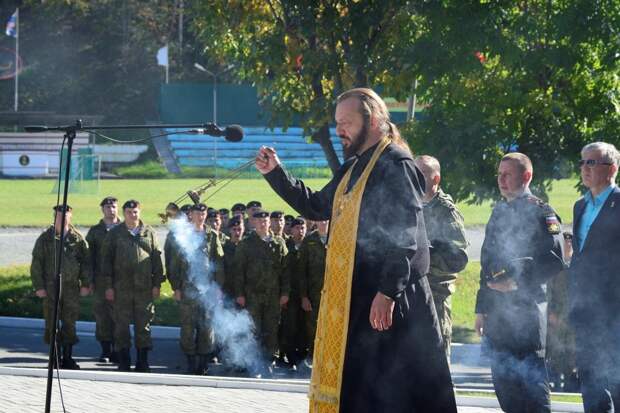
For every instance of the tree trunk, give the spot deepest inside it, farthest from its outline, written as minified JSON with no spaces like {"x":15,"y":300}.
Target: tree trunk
{"x":323,"y":138}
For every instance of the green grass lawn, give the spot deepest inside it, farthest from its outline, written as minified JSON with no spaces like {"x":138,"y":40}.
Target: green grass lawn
{"x":28,"y":202}
{"x":18,"y":300}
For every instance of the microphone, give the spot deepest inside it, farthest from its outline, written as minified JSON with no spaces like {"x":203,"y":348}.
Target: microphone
{"x":232,"y":133}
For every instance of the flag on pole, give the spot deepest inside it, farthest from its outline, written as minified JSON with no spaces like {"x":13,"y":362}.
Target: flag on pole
{"x":162,"y":56}
{"x":11,"y":25}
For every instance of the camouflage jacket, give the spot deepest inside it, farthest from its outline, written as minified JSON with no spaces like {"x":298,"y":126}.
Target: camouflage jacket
{"x":446,"y":234}
{"x":259,"y":267}
{"x":95,"y":237}
{"x":132,"y":262}
{"x":75,"y":259}
{"x":312,"y":265}
{"x":179,"y":273}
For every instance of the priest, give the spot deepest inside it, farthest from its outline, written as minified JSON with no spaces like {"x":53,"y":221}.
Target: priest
{"x":378,"y":346}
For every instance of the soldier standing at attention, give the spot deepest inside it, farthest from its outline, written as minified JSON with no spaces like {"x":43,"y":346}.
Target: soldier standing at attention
{"x":292,"y":337}
{"x":75,"y":280}
{"x":225,"y":217}
{"x":235,"y":229}
{"x":215,"y":222}
{"x":260,"y":281}
{"x":522,"y":250}
{"x":277,"y":224}
{"x":103,"y":309}
{"x":238,"y":210}
{"x":446,"y":234}
{"x":311,"y":274}
{"x":251,"y":208}
{"x":197,"y":338}
{"x":288,"y":220}
{"x":133,"y":273}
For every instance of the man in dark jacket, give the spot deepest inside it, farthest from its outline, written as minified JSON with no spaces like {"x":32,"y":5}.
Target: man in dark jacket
{"x":594,"y":279}
{"x":380,"y":348}
{"x":522,"y":249}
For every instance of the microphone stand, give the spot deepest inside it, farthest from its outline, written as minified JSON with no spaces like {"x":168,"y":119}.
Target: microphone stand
{"x":70,"y":134}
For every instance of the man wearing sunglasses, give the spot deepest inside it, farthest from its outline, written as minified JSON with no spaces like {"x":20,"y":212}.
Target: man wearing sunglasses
{"x":594,"y":287}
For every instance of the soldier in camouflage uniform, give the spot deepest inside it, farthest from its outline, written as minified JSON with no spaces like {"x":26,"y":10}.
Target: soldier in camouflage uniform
{"x":277,"y":224}
{"x":102,"y":308}
{"x":446,"y":234}
{"x":75,"y":280}
{"x":235,"y":229}
{"x":251,"y":208}
{"x":225,"y":217}
{"x":133,"y":273}
{"x":215,"y":223}
{"x":197,"y":338}
{"x":292,"y":331}
{"x":311,"y":274}
{"x":260,"y":281}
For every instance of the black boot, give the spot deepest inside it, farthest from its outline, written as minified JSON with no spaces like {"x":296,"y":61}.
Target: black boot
{"x":142,"y":365}
{"x":191,"y":364}
{"x":106,"y":352}
{"x":67,"y":362}
{"x":124,"y":360}
{"x":203,"y":365}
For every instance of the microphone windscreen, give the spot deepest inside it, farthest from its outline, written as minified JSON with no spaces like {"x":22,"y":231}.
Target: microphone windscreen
{"x":233,"y":133}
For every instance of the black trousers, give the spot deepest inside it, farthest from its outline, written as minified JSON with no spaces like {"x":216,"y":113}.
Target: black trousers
{"x":521,"y":382}
{"x":598,"y":361}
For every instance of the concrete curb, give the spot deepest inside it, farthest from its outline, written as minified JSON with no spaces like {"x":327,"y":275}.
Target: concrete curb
{"x":289,"y":386}
{"x":85,"y":327}
{"x":492,"y":402}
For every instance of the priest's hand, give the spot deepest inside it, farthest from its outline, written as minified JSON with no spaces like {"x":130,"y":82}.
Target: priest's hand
{"x":241,"y":301}
{"x":266,"y":160}
{"x":381,"y":312}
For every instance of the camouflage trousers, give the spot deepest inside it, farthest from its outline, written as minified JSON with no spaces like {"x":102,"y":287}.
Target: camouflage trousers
{"x":443,"y":305}
{"x":68,"y":312}
{"x":196,"y":332}
{"x":265,"y":312}
{"x":311,"y":320}
{"x":103,"y":310}
{"x":292,"y":329}
{"x":136,"y":306}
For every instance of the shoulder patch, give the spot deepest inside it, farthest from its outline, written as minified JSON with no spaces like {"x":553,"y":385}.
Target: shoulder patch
{"x":553,"y":224}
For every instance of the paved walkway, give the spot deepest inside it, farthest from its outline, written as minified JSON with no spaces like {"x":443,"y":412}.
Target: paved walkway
{"x":27,"y":394}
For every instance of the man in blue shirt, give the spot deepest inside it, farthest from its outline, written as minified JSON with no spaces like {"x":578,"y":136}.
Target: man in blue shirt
{"x":594,"y":279}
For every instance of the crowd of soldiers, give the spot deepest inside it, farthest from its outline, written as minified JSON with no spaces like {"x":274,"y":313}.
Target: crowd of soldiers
{"x":269,"y":263}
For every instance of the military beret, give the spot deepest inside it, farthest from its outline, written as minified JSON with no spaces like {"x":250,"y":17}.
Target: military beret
{"x":235,"y":221}
{"x":298,"y":221}
{"x":186,"y":208}
{"x":132,"y":203}
{"x":261,"y":214}
{"x":224,"y":211}
{"x":213,"y":214}
{"x":288,"y":218}
{"x":277,"y":214}
{"x":60,"y":208}
{"x":238,"y":207}
{"x":198,"y":207}
{"x":108,"y":200}
{"x":254,"y":204}
{"x":172,"y":206}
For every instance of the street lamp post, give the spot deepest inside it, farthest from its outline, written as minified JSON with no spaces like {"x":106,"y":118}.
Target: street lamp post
{"x":215,"y":76}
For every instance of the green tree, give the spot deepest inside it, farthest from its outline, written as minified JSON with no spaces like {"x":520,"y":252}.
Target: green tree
{"x":540,"y":76}
{"x":302,"y":54}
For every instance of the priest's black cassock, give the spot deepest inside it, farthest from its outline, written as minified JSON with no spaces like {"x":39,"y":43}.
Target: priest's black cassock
{"x":403,"y":369}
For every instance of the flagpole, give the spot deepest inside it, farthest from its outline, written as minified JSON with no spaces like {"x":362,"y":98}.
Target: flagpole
{"x":16,"y":59}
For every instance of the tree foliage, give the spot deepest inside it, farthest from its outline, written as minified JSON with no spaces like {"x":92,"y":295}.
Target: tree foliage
{"x":539,"y":76}
{"x":302,"y":54}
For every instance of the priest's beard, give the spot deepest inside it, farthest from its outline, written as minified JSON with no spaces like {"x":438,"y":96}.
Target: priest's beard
{"x":356,"y":142}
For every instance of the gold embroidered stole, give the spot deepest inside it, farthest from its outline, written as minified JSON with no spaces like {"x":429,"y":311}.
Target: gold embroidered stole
{"x":333,"y":321}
